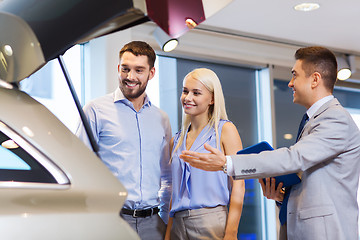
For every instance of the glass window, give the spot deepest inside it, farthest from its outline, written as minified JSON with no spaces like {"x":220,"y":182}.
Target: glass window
{"x":17,"y":164}
{"x":49,"y":87}
{"x":240,"y":94}
{"x":288,"y":114}
{"x":240,"y":97}
{"x":350,"y":99}
{"x":8,"y":158}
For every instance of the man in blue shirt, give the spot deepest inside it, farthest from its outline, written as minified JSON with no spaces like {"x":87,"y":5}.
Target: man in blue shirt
{"x":133,"y":137}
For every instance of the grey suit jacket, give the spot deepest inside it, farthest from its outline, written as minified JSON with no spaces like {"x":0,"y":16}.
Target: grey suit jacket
{"x":324,"y":205}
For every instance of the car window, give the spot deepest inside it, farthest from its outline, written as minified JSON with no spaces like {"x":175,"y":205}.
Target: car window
{"x":9,"y":160}
{"x":21,"y":162}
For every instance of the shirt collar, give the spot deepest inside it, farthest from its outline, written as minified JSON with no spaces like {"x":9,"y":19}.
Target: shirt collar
{"x":316,"y":106}
{"x":119,"y":96}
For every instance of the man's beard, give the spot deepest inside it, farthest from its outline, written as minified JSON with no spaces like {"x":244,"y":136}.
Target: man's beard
{"x":133,"y":93}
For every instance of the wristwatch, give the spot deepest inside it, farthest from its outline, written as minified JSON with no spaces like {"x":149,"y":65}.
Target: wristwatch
{"x":224,"y":168}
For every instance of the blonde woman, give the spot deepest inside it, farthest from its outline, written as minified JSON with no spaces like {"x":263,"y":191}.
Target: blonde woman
{"x":200,"y":199}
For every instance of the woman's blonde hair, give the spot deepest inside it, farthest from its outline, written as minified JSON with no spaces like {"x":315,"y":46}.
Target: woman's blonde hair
{"x":217,"y":111}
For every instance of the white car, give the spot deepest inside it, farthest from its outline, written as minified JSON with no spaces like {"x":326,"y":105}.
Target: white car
{"x":51,"y":185}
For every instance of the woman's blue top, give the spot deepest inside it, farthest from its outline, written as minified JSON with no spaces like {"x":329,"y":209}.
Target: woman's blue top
{"x":193,"y":188}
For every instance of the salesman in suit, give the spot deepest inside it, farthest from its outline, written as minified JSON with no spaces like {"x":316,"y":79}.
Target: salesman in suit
{"x":324,"y":204}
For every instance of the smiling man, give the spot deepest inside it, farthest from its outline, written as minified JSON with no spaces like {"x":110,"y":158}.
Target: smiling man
{"x":133,"y":137}
{"x":327,"y":153}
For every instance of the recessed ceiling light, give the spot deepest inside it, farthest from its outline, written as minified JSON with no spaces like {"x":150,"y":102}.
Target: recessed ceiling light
{"x":288,"y":136}
{"x":306,"y":7}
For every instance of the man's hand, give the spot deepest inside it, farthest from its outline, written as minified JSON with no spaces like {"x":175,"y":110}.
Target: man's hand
{"x":213,"y":161}
{"x":269,"y":191}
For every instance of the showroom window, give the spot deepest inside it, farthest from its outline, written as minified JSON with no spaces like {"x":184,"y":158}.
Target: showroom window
{"x":239,"y":87}
{"x":288,"y":114}
{"x":49,"y":87}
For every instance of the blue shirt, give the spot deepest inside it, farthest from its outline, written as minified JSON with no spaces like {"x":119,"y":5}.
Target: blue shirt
{"x":194,"y":188}
{"x":134,"y":146}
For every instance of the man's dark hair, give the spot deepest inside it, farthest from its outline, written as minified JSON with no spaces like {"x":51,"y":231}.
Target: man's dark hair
{"x":139,"y":48}
{"x":321,"y":60}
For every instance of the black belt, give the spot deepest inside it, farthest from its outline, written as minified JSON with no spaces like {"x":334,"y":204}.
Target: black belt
{"x":140,"y":212}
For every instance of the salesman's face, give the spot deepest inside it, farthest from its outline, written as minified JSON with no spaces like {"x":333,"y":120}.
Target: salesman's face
{"x":134,"y":73}
{"x":301,"y":85}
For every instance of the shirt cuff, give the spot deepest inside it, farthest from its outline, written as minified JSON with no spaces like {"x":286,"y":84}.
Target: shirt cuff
{"x":229,"y":165}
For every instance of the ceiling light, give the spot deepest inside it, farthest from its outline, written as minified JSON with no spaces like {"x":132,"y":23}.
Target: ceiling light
{"x":170,"y":45}
{"x":166,"y":43}
{"x":306,"y":7}
{"x":288,"y":136}
{"x":346,"y":65}
{"x":343,"y":74}
{"x":190,"y":23}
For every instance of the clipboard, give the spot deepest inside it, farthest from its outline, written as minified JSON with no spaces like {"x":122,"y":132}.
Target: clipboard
{"x":287,"y":180}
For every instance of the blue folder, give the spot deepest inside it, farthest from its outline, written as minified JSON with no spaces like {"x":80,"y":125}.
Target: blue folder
{"x":287,"y":180}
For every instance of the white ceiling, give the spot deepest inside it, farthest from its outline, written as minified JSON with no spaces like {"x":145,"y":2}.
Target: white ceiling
{"x":334,"y":25}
